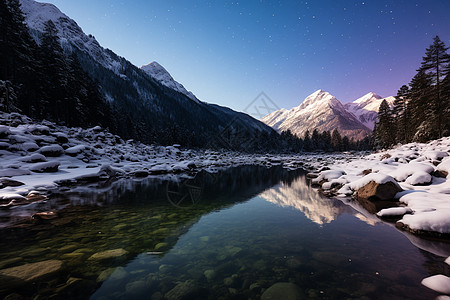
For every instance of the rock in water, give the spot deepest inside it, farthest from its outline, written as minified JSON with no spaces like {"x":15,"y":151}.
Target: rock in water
{"x":186,"y":290}
{"x":283,"y":290}
{"x":28,"y":273}
{"x":108,"y":254}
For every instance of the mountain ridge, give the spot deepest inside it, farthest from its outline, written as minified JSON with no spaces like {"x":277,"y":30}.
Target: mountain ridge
{"x":148,"y":107}
{"x":321,"y":111}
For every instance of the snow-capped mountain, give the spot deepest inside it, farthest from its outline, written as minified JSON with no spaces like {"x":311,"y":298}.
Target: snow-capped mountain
{"x":320,"y":111}
{"x":71,"y":35}
{"x":366,"y":108}
{"x":159,"y":73}
{"x":147,"y":101}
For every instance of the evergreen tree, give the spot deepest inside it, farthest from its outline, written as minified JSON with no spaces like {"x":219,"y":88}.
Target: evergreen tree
{"x":383,"y":129}
{"x":307,"y":141}
{"x":420,"y":110}
{"x":400,"y":114}
{"x":336,"y":140}
{"x":18,"y":55}
{"x":315,"y":139}
{"x":56,"y":70}
{"x":436,"y":63}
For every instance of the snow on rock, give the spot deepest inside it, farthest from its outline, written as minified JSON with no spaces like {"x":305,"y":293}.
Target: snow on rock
{"x":426,"y":194}
{"x":419,"y":177}
{"x":73,"y":151}
{"x":394,"y":211}
{"x":447,"y":261}
{"x":45,"y":167}
{"x":33,"y":158}
{"x":329,"y":175}
{"x":355,"y":185}
{"x":435,"y":155}
{"x":52,"y":150}
{"x":439,"y":283}
{"x":404,"y":171}
{"x":444,"y":166}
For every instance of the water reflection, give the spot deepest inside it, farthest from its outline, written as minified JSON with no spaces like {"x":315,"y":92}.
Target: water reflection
{"x":299,"y":195}
{"x":235,"y":240}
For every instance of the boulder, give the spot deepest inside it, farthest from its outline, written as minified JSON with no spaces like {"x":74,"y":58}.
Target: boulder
{"x":374,"y":191}
{"x":34,"y":158}
{"x":45,"y":167}
{"x":52,"y":151}
{"x":283,"y":290}
{"x":4,"y":182}
{"x":25,"y":274}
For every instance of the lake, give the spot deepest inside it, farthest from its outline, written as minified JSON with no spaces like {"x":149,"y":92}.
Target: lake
{"x":230,"y":235}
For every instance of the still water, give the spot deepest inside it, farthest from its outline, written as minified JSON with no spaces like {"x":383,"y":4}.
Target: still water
{"x":230,"y":235}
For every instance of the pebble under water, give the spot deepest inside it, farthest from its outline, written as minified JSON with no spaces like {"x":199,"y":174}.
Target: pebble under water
{"x":244,"y":233}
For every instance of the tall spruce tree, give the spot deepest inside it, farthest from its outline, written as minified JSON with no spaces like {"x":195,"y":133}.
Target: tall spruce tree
{"x":383,"y":129}
{"x":56,"y":70}
{"x":400,"y":113}
{"x":420,"y":109}
{"x":18,"y":55}
{"x":436,"y":63}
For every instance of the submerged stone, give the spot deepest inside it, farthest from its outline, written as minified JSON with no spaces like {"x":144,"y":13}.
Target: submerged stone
{"x":28,"y":273}
{"x":283,"y":290}
{"x":108,"y":254}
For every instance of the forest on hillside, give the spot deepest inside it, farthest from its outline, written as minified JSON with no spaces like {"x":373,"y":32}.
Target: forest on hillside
{"x":421,"y":109}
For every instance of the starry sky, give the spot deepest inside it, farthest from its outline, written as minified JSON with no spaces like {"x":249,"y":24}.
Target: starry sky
{"x":228,"y":52}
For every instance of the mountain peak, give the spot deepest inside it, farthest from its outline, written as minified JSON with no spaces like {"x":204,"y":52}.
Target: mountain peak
{"x":371,"y":96}
{"x":321,"y":111}
{"x":160,"y":74}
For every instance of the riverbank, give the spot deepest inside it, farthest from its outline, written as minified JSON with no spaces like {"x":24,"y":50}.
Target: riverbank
{"x":409,"y":182}
{"x":38,"y":158}
{"x":408,"y":185}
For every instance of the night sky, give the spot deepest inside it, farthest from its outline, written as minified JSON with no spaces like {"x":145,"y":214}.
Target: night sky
{"x":227,"y":52}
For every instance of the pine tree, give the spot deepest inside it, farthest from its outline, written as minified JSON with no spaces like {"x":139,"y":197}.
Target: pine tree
{"x":400,"y":113}
{"x":56,"y":70}
{"x":336,"y":140}
{"x":307,"y":141}
{"x":446,"y":104}
{"x":383,"y":129}
{"x":420,"y":110}
{"x":436,"y":62}
{"x":18,"y":55}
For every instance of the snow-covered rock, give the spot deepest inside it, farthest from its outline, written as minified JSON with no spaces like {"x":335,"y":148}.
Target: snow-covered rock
{"x":439,"y":283}
{"x":413,"y":165}
{"x":45,"y":167}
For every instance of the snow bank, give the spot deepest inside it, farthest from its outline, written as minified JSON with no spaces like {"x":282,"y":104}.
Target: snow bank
{"x":427,"y":197}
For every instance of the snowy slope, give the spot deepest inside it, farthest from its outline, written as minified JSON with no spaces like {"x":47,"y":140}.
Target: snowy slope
{"x":70,"y":34}
{"x":149,"y":94}
{"x":366,"y":108}
{"x":320,"y":111}
{"x":159,"y":73}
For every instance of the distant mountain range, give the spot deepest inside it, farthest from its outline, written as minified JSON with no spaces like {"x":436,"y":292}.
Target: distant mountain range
{"x":322,"y":111}
{"x":151,"y":106}
{"x":148,"y":103}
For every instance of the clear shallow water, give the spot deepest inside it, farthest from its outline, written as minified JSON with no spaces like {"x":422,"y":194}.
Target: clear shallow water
{"x":228,"y":236}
